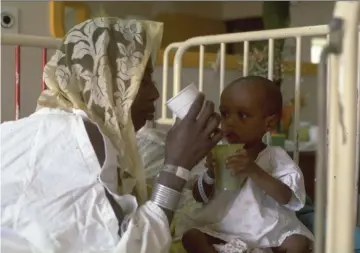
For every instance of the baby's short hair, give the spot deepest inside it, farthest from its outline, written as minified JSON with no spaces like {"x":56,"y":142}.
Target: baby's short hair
{"x":273,"y":96}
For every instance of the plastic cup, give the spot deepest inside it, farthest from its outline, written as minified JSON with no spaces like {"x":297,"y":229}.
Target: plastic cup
{"x":181,"y":103}
{"x":223,"y":178}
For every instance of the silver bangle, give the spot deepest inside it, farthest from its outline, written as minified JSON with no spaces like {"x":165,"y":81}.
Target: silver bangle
{"x":165,"y":197}
{"x":201,"y":189}
{"x":207,"y":179}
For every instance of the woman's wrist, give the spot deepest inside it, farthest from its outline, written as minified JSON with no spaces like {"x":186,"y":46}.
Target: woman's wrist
{"x":177,"y":162}
{"x":174,"y":184}
{"x":165,"y":197}
{"x":170,"y":179}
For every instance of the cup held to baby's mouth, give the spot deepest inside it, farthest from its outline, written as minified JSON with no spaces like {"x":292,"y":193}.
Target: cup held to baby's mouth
{"x":224,"y":181}
{"x":182,"y":102}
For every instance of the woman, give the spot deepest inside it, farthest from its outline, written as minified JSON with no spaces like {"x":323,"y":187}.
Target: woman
{"x":72,"y":177}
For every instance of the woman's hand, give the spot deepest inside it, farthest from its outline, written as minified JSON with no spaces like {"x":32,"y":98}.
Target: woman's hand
{"x":210,"y":165}
{"x":191,"y":139}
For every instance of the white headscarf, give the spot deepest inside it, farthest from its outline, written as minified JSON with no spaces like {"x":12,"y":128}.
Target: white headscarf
{"x":98,"y":69}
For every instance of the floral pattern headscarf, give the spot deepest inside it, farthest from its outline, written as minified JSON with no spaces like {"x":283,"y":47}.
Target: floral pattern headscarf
{"x":98,"y":69}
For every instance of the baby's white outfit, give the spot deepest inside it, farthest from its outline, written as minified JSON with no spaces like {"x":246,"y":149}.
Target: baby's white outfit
{"x":250,"y":219}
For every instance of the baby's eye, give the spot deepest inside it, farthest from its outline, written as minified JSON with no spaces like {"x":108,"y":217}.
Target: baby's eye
{"x":242,"y":115}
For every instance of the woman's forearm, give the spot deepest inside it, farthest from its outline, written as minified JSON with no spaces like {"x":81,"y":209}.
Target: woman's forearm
{"x":175,"y":183}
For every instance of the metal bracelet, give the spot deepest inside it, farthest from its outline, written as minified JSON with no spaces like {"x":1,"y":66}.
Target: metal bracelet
{"x":201,"y":189}
{"x":207,"y":179}
{"x":165,"y":197}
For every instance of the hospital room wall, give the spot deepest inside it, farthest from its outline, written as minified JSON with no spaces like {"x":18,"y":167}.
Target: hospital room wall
{"x":34,"y":20}
{"x":30,"y":22}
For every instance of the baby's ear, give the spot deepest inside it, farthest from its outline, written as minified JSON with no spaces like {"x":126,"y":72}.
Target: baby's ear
{"x":272,"y":121}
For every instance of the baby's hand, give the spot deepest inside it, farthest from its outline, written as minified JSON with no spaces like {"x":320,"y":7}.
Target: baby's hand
{"x":210,"y":165}
{"x":240,"y":163}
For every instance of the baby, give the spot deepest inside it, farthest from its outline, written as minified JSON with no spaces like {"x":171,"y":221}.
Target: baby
{"x":261,"y":215}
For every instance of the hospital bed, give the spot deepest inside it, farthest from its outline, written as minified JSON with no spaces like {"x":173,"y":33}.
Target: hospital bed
{"x":338,"y":107}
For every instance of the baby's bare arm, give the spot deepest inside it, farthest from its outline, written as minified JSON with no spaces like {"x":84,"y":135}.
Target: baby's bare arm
{"x":208,"y":188}
{"x":295,"y":243}
{"x":271,"y":186}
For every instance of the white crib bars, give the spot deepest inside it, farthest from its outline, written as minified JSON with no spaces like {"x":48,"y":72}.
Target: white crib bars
{"x":343,"y":120}
{"x":246,"y":37}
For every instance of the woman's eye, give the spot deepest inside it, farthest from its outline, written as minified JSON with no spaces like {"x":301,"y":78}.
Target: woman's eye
{"x":147,"y":80}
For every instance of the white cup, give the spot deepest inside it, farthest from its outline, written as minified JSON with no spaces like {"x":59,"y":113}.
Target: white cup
{"x":182,"y":102}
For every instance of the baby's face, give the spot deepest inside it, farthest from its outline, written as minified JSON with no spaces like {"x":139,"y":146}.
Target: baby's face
{"x":242,"y":112}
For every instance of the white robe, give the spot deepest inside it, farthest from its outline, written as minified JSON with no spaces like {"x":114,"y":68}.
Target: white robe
{"x":248,"y":216}
{"x":53,"y":197}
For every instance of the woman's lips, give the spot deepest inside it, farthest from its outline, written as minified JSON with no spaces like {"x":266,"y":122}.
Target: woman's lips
{"x":150,"y":113}
{"x":150,"y":116}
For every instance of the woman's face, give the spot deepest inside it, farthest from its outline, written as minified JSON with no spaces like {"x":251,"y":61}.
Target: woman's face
{"x":143,"y":107}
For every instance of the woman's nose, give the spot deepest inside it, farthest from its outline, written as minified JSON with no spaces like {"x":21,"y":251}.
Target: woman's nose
{"x":154,"y":92}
